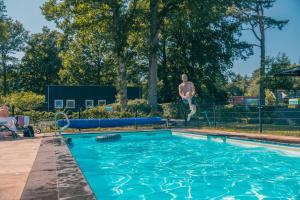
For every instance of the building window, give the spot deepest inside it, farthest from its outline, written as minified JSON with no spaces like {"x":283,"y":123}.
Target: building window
{"x":89,"y":103}
{"x":101,"y":102}
{"x":58,"y":104}
{"x":70,"y":103}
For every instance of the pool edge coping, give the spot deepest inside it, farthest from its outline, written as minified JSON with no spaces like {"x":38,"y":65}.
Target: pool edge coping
{"x":274,"y":139}
{"x":285,"y":140}
{"x":65,"y":167}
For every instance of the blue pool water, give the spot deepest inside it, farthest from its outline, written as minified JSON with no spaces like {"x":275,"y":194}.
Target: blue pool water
{"x":159,"y":166}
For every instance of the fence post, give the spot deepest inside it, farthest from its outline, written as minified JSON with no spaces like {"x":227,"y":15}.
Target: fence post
{"x":13,"y":110}
{"x":260,"y":116}
{"x":79,"y":112}
{"x":214,"y":110}
{"x":136,"y":115}
{"x":185,"y":116}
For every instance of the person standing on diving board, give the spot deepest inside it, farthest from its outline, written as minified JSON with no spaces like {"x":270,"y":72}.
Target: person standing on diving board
{"x":187,"y":93}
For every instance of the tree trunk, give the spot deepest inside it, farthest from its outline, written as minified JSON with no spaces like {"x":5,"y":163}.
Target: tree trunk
{"x":153,"y":45}
{"x":4,"y":83}
{"x":98,"y":65}
{"x":262,"y":71}
{"x":166,"y":96}
{"x":119,"y":52}
{"x":122,"y":83}
{"x":262,"y":58}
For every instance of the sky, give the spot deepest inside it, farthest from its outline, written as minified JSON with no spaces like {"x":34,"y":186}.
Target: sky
{"x":286,"y":41}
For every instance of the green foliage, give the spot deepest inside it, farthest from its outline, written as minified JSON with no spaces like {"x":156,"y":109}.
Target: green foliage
{"x":12,"y":40}
{"x":238,"y":85}
{"x":104,"y":32}
{"x":25,"y":101}
{"x":149,"y":43}
{"x":272,"y":83}
{"x":138,"y":108}
{"x":277,"y":65}
{"x":173,"y":110}
{"x":201,"y":42}
{"x":253,"y":89}
{"x":96,"y":112}
{"x":270,"y":98}
{"x":41,"y":63}
{"x":85,"y":62}
{"x":38,"y":116}
{"x":251,"y":14}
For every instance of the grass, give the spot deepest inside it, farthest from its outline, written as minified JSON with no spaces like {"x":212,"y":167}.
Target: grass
{"x":254,"y":128}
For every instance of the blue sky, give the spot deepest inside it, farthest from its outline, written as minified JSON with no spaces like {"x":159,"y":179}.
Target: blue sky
{"x":286,"y":41}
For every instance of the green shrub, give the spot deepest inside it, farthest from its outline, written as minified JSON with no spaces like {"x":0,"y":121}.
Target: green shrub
{"x":37,"y":116}
{"x":25,"y":101}
{"x":139,"y":105}
{"x":173,"y":110}
{"x":96,"y":112}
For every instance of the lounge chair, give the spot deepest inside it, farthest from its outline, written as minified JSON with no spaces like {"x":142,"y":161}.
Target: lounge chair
{"x":8,"y":124}
{"x":12,"y":124}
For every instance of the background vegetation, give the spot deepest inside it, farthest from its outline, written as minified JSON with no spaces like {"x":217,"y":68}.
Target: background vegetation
{"x":146,"y":43}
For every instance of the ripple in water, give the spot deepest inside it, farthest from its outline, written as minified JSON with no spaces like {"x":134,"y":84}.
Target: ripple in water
{"x":179,"y":168}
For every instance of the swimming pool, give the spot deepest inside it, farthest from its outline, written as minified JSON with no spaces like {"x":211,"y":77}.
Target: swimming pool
{"x":160,"y":165}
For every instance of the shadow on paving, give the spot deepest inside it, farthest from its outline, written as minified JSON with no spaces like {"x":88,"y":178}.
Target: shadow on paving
{"x":55,"y":175}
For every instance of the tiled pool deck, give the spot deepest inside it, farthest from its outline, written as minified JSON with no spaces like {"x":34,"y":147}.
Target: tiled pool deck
{"x":16,"y":160}
{"x":40,"y":169}
{"x":43,"y":168}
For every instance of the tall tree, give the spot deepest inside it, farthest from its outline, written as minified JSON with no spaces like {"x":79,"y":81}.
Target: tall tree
{"x":113,"y":19}
{"x":157,"y":17}
{"x":12,"y":40}
{"x":86,"y":61}
{"x":252,"y":14}
{"x":41,"y":62}
{"x":201,"y":40}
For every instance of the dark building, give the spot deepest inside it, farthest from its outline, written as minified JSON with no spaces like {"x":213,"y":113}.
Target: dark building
{"x":74,"y":97}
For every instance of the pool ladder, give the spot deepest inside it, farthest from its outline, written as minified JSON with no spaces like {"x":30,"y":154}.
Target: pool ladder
{"x":64,"y":127}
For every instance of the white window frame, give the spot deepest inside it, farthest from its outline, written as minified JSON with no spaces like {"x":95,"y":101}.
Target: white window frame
{"x":103,"y":102}
{"x":89,"y":100}
{"x":70,"y":100}
{"x":62,"y":103}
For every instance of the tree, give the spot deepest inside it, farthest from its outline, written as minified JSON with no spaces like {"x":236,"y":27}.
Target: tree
{"x":273,"y":83}
{"x":41,"y":62}
{"x":25,"y":101}
{"x":238,"y":85}
{"x":87,"y":62}
{"x":252,"y":14}
{"x":277,"y":65}
{"x":253,"y":89}
{"x":2,"y":18}
{"x":201,"y":40}
{"x":156,"y":23}
{"x":12,"y":40}
{"x":113,"y":19}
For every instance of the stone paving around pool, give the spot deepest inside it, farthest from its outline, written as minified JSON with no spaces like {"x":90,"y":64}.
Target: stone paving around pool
{"x":16,"y":160}
{"x":55,"y":174}
{"x":40,"y":168}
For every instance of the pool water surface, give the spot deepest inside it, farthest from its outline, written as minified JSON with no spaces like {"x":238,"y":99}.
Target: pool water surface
{"x":159,"y":165}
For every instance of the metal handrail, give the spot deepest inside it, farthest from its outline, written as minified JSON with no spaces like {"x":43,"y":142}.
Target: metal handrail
{"x":67,"y":119}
